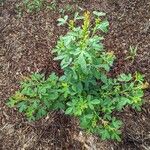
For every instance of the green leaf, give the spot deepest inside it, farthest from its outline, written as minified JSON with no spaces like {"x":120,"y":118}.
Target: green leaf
{"x":122,"y":102}
{"x":59,"y":57}
{"x":116,"y":123}
{"x":78,"y":112}
{"x":59,"y":105}
{"x":84,"y":122}
{"x":105,"y":66}
{"x":11,"y":102}
{"x":125,"y":78}
{"x":103,"y":78}
{"x":79,"y":87}
{"x":139,"y":77}
{"x":62,"y":21}
{"x":105,"y":134}
{"x":99,"y":14}
{"x":89,"y":116}
{"x":36,"y":76}
{"x":53,"y":96}
{"x":67,"y":40}
{"x":103,"y":26}
{"x":95,"y":102}
{"x":75,"y":76}
{"x":28,"y":91}
{"x":68,"y":110}
{"x":41,"y":112}
{"x":29,"y":112}
{"x":47,"y":103}
{"x":22,"y":106}
{"x":82,"y":63}
{"x":62,"y":78}
{"x":53,"y":77}
{"x":96,"y":74}
{"x":115,"y":136}
{"x":65,"y":63}
{"x":91,"y":106}
{"x":77,"y":17}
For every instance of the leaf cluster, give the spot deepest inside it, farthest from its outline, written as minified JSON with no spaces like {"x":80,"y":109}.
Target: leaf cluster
{"x":37,"y":96}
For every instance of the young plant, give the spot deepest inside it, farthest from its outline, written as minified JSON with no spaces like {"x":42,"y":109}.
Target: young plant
{"x":67,"y":8}
{"x":85,"y":90}
{"x":132,"y":53}
{"x":33,"y":5}
{"x":52,"y":5}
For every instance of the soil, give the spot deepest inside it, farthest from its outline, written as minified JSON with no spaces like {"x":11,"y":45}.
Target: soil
{"x":25,"y":47}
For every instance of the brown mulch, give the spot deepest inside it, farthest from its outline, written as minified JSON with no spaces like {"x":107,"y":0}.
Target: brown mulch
{"x":25,"y":46}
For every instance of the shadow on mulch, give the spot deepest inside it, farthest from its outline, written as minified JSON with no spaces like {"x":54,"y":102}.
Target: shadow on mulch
{"x":61,"y":133}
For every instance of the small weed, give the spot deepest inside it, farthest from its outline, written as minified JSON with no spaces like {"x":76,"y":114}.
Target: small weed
{"x":52,"y":5}
{"x":33,"y":6}
{"x":19,"y":10}
{"x":66,"y":9}
{"x":132,"y":53}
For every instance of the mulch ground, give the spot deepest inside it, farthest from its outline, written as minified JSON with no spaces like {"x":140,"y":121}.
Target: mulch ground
{"x":25,"y":46}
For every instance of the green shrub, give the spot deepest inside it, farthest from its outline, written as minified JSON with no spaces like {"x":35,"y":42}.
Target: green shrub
{"x":85,"y":90}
